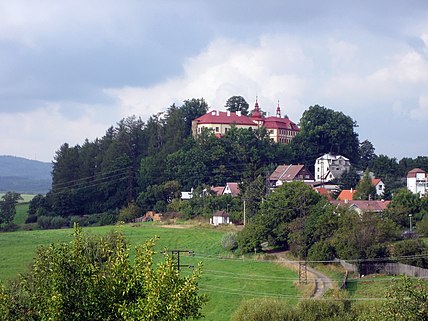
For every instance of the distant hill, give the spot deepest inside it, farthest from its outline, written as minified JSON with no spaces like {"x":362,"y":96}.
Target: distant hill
{"x":23,"y":175}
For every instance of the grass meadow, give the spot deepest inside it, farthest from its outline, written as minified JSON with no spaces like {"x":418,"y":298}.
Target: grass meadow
{"x":226,"y":280}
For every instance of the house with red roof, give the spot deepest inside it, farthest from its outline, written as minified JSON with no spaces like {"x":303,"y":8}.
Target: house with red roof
{"x":231,"y":189}
{"x":379,"y":185}
{"x":363,"y":206}
{"x":220,"y":217}
{"x":288,"y":173}
{"x":280,"y":129}
{"x":346,"y":195}
{"x":417,"y":181}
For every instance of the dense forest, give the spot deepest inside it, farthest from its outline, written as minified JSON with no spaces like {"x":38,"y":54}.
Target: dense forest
{"x":144,"y":165}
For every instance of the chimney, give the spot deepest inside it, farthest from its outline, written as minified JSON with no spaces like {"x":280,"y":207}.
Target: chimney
{"x":218,"y":112}
{"x":228,"y":113}
{"x":213,"y":113}
{"x":238,"y":112}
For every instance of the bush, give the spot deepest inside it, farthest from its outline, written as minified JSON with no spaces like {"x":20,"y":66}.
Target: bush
{"x":31,"y":219}
{"x":263,"y":310}
{"x":80,"y":220}
{"x":130,"y":212}
{"x":331,"y":310}
{"x":412,"y":248}
{"x":422,"y":226}
{"x":229,"y":241}
{"x":93,"y":278}
{"x":321,"y":251}
{"x":250,"y":238}
{"x":52,"y":222}
{"x":10,"y":227}
{"x":308,"y":310}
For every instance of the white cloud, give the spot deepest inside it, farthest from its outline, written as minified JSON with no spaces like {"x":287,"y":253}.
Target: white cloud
{"x":268,"y":69}
{"x":39,"y":133}
{"x":421,"y":112}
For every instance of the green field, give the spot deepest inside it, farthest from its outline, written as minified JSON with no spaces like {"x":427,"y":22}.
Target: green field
{"x":21,"y":213}
{"x":225,"y":280}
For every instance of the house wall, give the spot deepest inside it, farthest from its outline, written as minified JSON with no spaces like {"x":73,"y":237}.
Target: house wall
{"x":328,"y":167}
{"x":221,"y":128}
{"x":418,"y":184}
{"x":216,"y":220}
{"x":380,"y":188}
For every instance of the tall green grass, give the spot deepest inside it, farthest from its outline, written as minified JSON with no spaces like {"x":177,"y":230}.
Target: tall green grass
{"x":21,"y":213}
{"x":226,"y":280}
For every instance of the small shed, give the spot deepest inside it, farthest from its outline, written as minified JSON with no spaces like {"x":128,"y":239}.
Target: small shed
{"x":220,"y":217}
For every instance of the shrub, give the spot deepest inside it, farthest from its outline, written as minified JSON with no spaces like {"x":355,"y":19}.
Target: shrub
{"x":321,"y":251}
{"x":93,"y":278}
{"x":52,"y":222}
{"x":81,"y":220}
{"x":422,"y":226}
{"x":263,"y":309}
{"x":31,"y":219}
{"x":250,"y":238}
{"x":229,"y":241}
{"x":414,"y":249}
{"x":130,"y":212}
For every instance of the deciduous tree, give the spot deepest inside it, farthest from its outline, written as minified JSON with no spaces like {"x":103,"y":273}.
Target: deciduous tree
{"x":93,"y":278}
{"x":8,"y":207}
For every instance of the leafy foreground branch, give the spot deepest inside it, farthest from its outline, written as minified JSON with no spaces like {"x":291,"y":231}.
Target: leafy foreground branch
{"x":92,"y":278}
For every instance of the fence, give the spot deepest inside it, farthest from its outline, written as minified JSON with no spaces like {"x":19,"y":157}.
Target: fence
{"x":385,"y":268}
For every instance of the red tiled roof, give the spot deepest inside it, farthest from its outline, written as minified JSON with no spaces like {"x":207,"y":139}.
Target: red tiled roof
{"x":346,"y":195}
{"x":280,"y":123}
{"x":367,"y":206}
{"x":376,"y":181}
{"x":222,"y":117}
{"x":323,"y":191}
{"x":414,"y":171}
{"x":234,"y":188}
{"x":286,"y":172}
{"x":221,"y":214}
{"x":218,"y":190}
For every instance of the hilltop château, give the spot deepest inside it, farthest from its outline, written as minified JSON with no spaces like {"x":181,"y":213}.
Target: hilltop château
{"x":280,"y":129}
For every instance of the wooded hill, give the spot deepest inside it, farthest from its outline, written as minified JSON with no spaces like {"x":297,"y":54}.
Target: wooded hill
{"x":23,"y":175}
{"x":150,"y":162}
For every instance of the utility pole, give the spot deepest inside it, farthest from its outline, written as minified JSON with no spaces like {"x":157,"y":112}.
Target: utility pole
{"x":176,"y":256}
{"x":303,"y":272}
{"x":244,"y":212}
{"x":130,"y":185}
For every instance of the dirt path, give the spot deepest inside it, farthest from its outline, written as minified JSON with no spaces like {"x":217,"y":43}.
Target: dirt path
{"x":322,"y":281}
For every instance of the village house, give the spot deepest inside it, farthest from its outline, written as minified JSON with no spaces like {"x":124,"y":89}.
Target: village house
{"x":280,"y":129}
{"x":346,"y":195}
{"x":379,"y":185}
{"x":363,"y":206}
{"x":288,"y":173}
{"x":220,"y":217}
{"x":329,"y":167}
{"x":417,"y":181}
{"x":231,"y":189}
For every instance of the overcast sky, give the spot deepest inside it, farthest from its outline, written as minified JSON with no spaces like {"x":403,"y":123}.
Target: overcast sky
{"x":71,"y":69}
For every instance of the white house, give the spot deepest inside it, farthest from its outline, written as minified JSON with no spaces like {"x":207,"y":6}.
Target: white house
{"x":232,"y":189}
{"x":417,"y":181}
{"x":379,"y":185}
{"x":220,"y":217}
{"x":329,"y":167}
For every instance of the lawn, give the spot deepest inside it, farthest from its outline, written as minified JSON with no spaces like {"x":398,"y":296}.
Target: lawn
{"x":226,"y":280}
{"x":21,"y":213}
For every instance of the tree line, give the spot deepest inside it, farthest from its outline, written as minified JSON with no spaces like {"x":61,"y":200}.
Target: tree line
{"x":147,"y":164}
